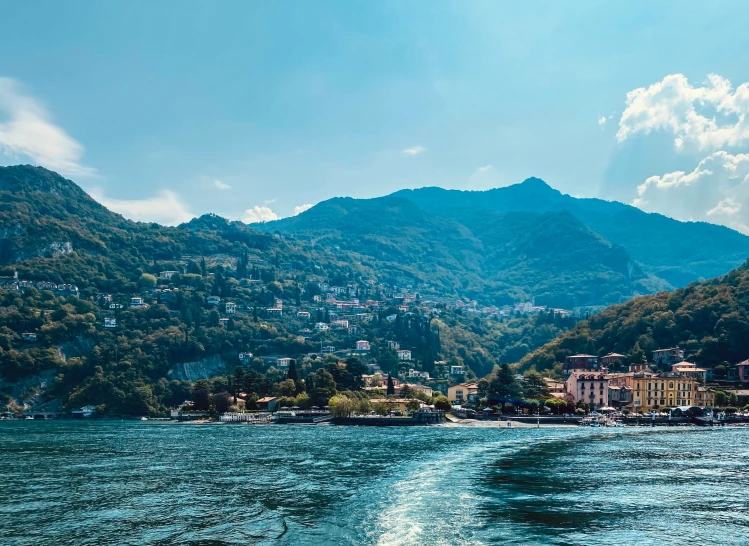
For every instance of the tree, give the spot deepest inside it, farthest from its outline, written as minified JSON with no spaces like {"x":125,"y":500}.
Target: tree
{"x":292,"y":373}
{"x":503,"y":385}
{"x":201,"y":395}
{"x":442,"y":403}
{"x":221,"y":402}
{"x":406,"y":391}
{"x":390,"y":387}
{"x":733,"y":400}
{"x":721,"y":399}
{"x":555,"y":405}
{"x":413,"y":406}
{"x":341,"y":405}
{"x":147,"y":280}
{"x":535,"y":387}
{"x":324,"y":388}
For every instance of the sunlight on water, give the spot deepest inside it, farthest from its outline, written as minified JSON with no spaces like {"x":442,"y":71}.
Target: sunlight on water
{"x":140,"y":483}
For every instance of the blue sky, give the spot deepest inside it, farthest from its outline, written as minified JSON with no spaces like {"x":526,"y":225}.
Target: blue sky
{"x":252,"y":110}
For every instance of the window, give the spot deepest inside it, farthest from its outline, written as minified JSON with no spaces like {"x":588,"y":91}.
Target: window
{"x":671,"y":385}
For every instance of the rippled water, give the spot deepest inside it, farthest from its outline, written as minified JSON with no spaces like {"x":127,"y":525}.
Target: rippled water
{"x":145,"y":483}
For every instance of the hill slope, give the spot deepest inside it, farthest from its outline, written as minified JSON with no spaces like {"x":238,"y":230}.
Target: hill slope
{"x":708,"y":319}
{"x":677,"y":252}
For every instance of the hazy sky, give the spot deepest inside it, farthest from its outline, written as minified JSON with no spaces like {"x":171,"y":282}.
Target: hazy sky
{"x":164,"y":110}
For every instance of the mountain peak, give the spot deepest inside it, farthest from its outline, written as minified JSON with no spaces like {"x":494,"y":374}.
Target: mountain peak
{"x":17,"y":178}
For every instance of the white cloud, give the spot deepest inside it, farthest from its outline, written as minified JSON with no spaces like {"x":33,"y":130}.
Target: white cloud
{"x":716,"y":191}
{"x":165,"y":208}
{"x":259,"y":214}
{"x":26,"y":131}
{"x":416,"y":150}
{"x":485,"y":168}
{"x":301,"y":208}
{"x":270,"y":201}
{"x":221,"y":185}
{"x":602,"y":120}
{"x":672,"y":105}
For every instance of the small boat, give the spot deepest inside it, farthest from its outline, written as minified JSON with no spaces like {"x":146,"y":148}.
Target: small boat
{"x":144,"y":418}
{"x":29,"y":418}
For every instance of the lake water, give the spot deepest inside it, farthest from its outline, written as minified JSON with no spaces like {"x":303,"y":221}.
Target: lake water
{"x":146,"y":483}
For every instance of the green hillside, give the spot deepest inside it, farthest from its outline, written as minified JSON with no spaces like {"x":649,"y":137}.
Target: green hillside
{"x":708,"y":319}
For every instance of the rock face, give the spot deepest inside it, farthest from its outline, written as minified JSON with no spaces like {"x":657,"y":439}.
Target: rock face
{"x":200,"y":369}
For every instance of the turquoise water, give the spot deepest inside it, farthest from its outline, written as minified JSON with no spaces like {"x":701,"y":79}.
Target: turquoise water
{"x":145,"y":483}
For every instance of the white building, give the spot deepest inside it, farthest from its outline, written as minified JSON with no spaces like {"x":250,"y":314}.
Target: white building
{"x":167,"y":274}
{"x":231,"y":307}
{"x":213,"y":300}
{"x":322,"y":327}
{"x":136,"y":301}
{"x":110,"y":322}
{"x":362,"y":345}
{"x":404,"y":354}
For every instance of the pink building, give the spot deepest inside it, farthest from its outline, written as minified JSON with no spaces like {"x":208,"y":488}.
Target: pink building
{"x":589,"y":387}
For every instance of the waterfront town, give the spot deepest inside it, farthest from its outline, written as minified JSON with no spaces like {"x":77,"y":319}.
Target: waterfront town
{"x":344,"y":322}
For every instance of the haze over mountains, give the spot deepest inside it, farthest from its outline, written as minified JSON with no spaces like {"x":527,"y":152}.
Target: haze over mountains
{"x":522,"y":241}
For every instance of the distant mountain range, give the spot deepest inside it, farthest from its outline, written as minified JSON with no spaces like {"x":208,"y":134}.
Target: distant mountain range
{"x":520,"y":242}
{"x":498,"y":246}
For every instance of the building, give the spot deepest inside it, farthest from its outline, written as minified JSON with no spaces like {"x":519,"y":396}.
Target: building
{"x":245,"y":358}
{"x":613,"y":360}
{"x":619,"y":396}
{"x":662,"y":390}
{"x":404,"y":354}
{"x":85,"y":411}
{"x":274,"y":312}
{"x":231,"y":307}
{"x":167,"y":274}
{"x":213,"y":300}
{"x":267,"y":403}
{"x":29,"y":337}
{"x":456,"y":370}
{"x":362,"y":345}
{"x":427,"y":391}
{"x":704,"y":397}
{"x":303,"y":314}
{"x":394,"y":345}
{"x":742,"y":371}
{"x":687,"y":369}
{"x":322,"y":327}
{"x":556,"y":388}
{"x":110,"y":322}
{"x":339,"y":324}
{"x":580,"y":362}
{"x":668,"y":357}
{"x":589,"y":387}
{"x":418,"y":374}
{"x":136,"y":301}
{"x":463,"y":392}
{"x":284,"y":362}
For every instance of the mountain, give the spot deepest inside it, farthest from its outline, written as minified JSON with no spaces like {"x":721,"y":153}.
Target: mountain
{"x":677,"y":252}
{"x":708,"y":319}
{"x":130,"y":341}
{"x":520,"y":242}
{"x":50,"y":229}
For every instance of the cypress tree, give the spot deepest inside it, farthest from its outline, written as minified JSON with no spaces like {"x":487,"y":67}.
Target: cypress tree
{"x":391,"y":386}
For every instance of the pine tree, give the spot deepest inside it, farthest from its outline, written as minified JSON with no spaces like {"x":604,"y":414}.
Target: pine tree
{"x":390,"y":387}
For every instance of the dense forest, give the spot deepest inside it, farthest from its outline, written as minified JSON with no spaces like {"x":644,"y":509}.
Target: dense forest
{"x":708,"y":319}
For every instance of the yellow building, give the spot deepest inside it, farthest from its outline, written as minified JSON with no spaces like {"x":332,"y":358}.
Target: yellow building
{"x":704,"y":397}
{"x":464,"y":392}
{"x":665,"y":390}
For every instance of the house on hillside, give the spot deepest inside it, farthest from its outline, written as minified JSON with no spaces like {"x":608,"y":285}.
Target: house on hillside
{"x":29,"y":337}
{"x":303,"y":315}
{"x":394,"y":345}
{"x":362,"y":345}
{"x":284,"y":362}
{"x":231,"y":308}
{"x":213,"y":300}
{"x":167,"y":274}
{"x":404,"y":354}
{"x":136,"y":301}
{"x":589,"y":387}
{"x":110,"y":322}
{"x":668,"y":357}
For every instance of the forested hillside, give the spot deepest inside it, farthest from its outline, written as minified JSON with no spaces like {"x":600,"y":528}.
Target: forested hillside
{"x":708,"y":319}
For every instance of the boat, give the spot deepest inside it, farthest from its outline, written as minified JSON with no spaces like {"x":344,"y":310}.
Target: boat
{"x":29,"y":418}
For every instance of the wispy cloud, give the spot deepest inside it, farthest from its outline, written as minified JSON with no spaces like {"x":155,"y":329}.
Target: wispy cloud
{"x":415,"y":150}
{"x":27,"y":131}
{"x":301,"y":208}
{"x":602,"y":120}
{"x":269,"y":201}
{"x":259,"y":214}
{"x":221,"y":185}
{"x":166,"y":207}
{"x":484,"y":169}
{"x":672,"y":105}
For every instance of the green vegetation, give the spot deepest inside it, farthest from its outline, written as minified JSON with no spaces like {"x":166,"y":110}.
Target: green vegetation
{"x":707,"y":319}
